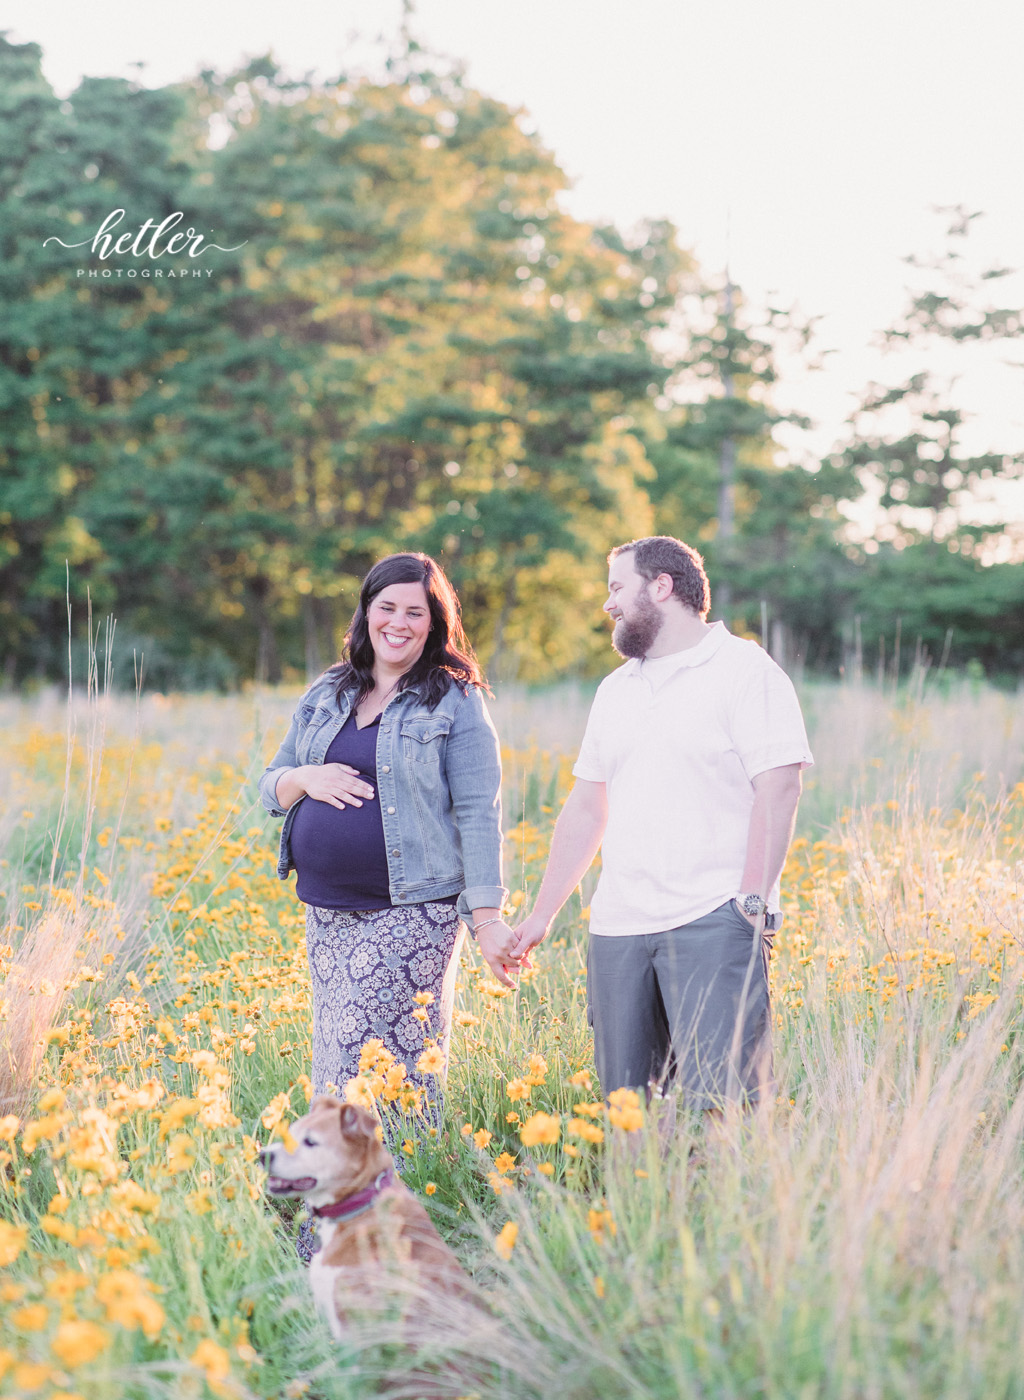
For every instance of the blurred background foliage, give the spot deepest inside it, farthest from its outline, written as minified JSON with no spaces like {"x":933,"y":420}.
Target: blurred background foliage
{"x":414,"y":346}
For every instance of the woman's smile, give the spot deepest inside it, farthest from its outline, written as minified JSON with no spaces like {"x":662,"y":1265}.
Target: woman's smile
{"x":398,"y":621}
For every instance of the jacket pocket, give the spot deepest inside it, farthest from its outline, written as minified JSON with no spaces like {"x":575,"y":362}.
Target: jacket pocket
{"x":423,"y":737}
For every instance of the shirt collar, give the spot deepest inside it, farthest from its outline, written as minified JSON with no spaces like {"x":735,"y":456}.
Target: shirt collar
{"x":705,"y":649}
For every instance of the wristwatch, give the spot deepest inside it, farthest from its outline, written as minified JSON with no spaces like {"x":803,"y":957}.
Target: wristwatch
{"x":753,"y":905}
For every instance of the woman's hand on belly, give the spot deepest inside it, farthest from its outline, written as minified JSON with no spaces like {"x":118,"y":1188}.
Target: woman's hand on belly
{"x":334,"y":783}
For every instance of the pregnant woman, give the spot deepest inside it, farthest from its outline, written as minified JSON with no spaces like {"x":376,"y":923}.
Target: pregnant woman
{"x":388,"y":780}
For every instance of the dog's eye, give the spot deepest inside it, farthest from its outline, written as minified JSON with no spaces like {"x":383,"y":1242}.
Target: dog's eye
{"x":309,"y":1142}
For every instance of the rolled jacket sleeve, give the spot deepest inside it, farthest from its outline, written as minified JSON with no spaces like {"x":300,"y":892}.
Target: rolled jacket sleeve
{"x":283,"y":760}
{"x":473,"y":771}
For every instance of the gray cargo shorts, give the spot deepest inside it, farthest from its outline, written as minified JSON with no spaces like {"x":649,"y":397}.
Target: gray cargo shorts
{"x":687,"y":1008}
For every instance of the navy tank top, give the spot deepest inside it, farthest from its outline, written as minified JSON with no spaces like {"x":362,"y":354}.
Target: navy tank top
{"x":340,"y":857}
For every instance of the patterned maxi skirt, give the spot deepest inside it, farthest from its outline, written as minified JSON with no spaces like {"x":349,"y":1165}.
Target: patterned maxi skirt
{"x":365,"y":970}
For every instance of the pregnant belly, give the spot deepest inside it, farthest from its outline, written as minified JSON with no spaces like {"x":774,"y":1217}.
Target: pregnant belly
{"x":340,"y":848}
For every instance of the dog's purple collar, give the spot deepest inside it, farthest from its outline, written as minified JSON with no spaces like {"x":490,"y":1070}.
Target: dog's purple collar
{"x":359,"y":1201}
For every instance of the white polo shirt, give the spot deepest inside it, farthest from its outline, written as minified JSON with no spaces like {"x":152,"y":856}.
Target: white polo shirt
{"x":678,"y":741}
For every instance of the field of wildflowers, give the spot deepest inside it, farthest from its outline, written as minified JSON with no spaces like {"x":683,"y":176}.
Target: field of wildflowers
{"x":862,"y":1235}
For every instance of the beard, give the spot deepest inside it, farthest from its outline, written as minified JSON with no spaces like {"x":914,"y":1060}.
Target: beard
{"x":634,"y":636}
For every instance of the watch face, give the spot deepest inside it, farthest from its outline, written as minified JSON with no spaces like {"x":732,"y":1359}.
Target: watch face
{"x":753,"y":905}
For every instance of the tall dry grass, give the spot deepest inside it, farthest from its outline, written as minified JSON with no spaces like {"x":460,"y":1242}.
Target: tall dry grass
{"x":861,"y":1234}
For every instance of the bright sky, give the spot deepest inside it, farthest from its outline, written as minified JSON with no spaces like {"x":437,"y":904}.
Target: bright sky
{"x":805,"y":141}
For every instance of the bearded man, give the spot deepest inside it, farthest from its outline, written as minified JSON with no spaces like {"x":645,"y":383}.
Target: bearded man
{"x":688,"y":780}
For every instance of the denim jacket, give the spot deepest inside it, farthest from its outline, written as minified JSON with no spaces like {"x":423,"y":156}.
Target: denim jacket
{"x":438,"y":784}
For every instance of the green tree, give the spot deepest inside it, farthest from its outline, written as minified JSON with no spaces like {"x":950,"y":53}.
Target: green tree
{"x":767,"y":525}
{"x":944,"y":571}
{"x":39,"y":525}
{"x":77,"y":353}
{"x":412,"y":347}
{"x":419,"y":350}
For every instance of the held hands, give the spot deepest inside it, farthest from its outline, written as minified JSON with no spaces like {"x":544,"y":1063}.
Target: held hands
{"x":527,"y":935}
{"x":335,"y":783}
{"x":495,"y":943}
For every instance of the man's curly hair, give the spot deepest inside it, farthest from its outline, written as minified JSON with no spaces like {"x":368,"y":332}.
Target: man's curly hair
{"x":664,"y":554}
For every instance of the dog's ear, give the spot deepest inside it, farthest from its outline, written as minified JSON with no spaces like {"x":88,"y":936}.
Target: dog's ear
{"x":356,"y":1122}
{"x":323,"y":1101}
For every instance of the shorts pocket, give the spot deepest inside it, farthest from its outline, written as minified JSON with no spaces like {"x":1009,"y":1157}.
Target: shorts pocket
{"x":734,"y":907}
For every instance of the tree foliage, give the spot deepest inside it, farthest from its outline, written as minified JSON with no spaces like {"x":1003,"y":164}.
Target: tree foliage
{"x":401,"y":340}
{"x":948,"y":571}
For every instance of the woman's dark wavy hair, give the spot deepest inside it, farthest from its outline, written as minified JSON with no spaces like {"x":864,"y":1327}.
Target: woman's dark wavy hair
{"x":447,"y":657}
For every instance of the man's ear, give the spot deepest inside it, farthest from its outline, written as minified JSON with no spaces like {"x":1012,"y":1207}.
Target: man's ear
{"x":663,"y":587}
{"x":356,"y":1122}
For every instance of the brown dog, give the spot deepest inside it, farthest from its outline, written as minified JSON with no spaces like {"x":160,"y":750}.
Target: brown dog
{"x":373,"y":1230}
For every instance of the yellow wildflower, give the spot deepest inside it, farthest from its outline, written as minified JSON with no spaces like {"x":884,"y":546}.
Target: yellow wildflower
{"x":518,"y":1089}
{"x":505,"y":1162}
{"x":538,"y":1070}
{"x":175,"y":1114}
{"x":30,"y":1375}
{"x":33,"y":1317}
{"x":624,"y":1111}
{"x":423,"y":998}
{"x":430,"y":1187}
{"x":215,"y":1109}
{"x":181,"y":1152}
{"x":78,"y":1342}
{"x":491,"y":988}
{"x":540,"y":1128}
{"x":357,"y":1091}
{"x":431,"y":1061}
{"x":12,"y":1241}
{"x":133,"y":1197}
{"x":42,"y":1129}
{"x":275,"y":1111}
{"x":589,"y":1132}
{"x":482,"y":1138}
{"x":505,"y":1240}
{"x":600,"y":1223}
{"x":9,"y":1127}
{"x":58,"y":1229}
{"x":592,"y":1110}
{"x":369,"y":1053}
{"x":65,"y":1285}
{"x":215,"y":1362}
{"x":129,"y":1302}
{"x":393,"y":1082}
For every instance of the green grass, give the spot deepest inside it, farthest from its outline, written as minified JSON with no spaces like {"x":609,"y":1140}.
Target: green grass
{"x":862,"y":1235}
